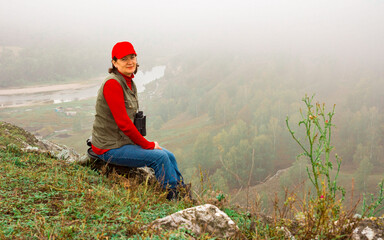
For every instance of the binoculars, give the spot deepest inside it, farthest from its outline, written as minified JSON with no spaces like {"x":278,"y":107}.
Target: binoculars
{"x":140,"y":121}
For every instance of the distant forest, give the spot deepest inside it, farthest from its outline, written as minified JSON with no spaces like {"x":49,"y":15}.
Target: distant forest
{"x":37,"y":65}
{"x":246,"y":100}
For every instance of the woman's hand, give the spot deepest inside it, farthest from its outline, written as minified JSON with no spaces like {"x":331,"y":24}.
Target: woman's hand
{"x":157,"y":146}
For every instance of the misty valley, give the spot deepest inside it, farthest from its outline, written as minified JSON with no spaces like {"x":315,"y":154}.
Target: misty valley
{"x":274,"y":111}
{"x":228,"y":125}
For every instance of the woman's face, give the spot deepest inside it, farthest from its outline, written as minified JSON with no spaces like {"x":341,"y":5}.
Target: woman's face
{"x":126,"y":65}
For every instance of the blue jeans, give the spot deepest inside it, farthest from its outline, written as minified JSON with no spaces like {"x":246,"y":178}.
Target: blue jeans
{"x":162,"y":161}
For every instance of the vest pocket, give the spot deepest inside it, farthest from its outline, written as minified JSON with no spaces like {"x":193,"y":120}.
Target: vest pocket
{"x":131,"y":104}
{"x":131,"y":107}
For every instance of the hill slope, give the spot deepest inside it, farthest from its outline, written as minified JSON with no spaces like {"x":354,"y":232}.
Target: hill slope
{"x":44,"y":197}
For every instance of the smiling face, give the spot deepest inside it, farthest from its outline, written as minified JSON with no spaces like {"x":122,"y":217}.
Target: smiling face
{"x":126,"y":65}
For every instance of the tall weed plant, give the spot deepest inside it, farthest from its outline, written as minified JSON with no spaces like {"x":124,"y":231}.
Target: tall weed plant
{"x":322,"y":215}
{"x":318,"y":128}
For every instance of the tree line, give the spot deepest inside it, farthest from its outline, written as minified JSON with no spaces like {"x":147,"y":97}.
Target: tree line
{"x":52,"y":64}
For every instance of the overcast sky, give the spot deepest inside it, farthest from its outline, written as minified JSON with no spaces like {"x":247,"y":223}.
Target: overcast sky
{"x":344,"y":27}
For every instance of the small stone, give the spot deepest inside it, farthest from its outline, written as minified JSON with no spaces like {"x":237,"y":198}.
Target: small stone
{"x":30,"y":148}
{"x":368,"y":233}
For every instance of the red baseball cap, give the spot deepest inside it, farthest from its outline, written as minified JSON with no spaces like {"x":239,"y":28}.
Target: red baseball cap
{"x":122,"y":49}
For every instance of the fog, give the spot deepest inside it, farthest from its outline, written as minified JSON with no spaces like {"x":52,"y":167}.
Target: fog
{"x":233,"y":71}
{"x":351,"y":30}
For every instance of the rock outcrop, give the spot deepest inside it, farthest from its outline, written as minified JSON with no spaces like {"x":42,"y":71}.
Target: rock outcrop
{"x":17,"y":137}
{"x":141,"y":174}
{"x":27,"y":142}
{"x":200,"y":220}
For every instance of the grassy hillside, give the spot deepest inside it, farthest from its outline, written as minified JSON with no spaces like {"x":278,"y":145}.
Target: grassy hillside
{"x":42,"y":197}
{"x":46,"y":198}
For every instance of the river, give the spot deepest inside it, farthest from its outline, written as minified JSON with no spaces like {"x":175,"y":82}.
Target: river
{"x":68,"y":92}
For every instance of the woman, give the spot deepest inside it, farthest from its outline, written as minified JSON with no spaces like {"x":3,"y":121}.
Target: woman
{"x":115,"y":138}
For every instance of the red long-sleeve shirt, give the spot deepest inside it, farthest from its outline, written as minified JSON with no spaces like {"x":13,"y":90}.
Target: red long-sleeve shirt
{"x":114,"y":95}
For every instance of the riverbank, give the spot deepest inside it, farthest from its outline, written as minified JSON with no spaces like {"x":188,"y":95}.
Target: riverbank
{"x":28,"y":96}
{"x":51,"y":88}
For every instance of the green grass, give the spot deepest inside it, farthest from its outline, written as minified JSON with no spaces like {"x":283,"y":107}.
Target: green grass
{"x":42,"y":197}
{"x":46,"y":198}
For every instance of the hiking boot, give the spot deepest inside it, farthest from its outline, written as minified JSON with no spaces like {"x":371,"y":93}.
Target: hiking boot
{"x":172,"y":194}
{"x":183,"y":191}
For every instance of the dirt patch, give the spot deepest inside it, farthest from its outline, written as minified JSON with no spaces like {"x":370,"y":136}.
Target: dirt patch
{"x":63,"y":135}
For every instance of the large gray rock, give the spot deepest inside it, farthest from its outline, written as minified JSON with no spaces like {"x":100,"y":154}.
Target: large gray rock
{"x":369,"y":229}
{"x":201,"y":219}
